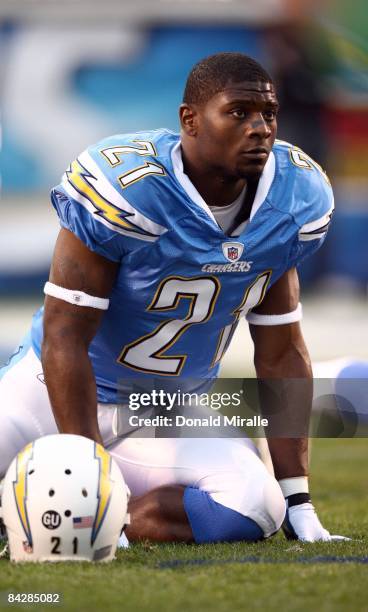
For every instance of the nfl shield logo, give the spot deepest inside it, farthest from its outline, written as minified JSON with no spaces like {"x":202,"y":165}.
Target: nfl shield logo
{"x":232,"y":250}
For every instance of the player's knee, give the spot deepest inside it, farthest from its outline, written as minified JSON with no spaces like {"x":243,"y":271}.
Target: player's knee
{"x":213,"y":522}
{"x":259,"y":514}
{"x":273,"y":505}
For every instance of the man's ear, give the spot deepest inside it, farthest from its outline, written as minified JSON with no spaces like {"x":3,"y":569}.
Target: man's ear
{"x":188,"y":119}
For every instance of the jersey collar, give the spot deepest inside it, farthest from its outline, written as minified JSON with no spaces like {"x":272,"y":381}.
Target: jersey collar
{"x":185,"y":181}
{"x":263,"y":188}
{"x":264,"y":184}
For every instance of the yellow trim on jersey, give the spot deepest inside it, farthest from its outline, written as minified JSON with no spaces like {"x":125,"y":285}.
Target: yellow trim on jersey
{"x":140,"y":172}
{"x":109,"y":153}
{"x":311,"y":163}
{"x":237,"y":313}
{"x":238,"y":310}
{"x":152,"y":306}
{"x":77,"y":178}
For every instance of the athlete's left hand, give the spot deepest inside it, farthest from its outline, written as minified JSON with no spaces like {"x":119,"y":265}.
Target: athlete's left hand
{"x":302,"y":523}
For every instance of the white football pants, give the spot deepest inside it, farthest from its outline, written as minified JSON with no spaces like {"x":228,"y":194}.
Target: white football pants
{"x":228,"y":469}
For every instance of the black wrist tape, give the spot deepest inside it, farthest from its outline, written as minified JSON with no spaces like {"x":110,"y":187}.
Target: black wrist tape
{"x":297,"y":499}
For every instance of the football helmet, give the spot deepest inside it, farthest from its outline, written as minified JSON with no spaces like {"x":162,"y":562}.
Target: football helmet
{"x":64,"y":499}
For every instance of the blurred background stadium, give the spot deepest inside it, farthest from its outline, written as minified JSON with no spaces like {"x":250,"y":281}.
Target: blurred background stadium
{"x":76,"y":71}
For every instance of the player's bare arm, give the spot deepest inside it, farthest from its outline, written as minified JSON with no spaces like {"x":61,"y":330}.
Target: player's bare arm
{"x":68,"y":331}
{"x":280,"y":353}
{"x":281,"y":356}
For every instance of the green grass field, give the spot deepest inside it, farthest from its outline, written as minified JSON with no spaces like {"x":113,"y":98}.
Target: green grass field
{"x":273,"y":575}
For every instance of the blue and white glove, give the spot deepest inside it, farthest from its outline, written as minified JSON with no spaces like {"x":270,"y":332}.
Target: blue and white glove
{"x":301,"y":520}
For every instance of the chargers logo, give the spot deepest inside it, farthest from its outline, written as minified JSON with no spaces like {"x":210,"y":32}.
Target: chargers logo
{"x":104,"y":489}
{"x":232,"y":250}
{"x":20,"y":490}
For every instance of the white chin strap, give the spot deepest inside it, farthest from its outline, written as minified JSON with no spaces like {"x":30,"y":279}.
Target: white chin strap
{"x":279,"y":319}
{"x":78,"y":298}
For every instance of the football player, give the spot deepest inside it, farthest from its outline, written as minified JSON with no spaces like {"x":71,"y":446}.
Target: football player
{"x":167,"y":240}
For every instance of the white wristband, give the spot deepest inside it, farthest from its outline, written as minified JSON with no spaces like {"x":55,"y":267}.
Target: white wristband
{"x":281,"y":319}
{"x":78,"y":298}
{"x":291,"y":486}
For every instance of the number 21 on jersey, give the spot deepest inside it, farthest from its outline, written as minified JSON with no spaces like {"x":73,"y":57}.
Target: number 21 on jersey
{"x":147,"y":353}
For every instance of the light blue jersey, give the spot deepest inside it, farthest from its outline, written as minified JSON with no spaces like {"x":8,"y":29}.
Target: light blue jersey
{"x":182,"y":284}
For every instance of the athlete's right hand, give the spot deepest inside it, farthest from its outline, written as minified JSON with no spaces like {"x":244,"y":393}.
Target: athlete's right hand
{"x":302,"y":523}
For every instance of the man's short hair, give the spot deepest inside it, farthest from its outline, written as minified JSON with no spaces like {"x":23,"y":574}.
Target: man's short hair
{"x":212,"y":74}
